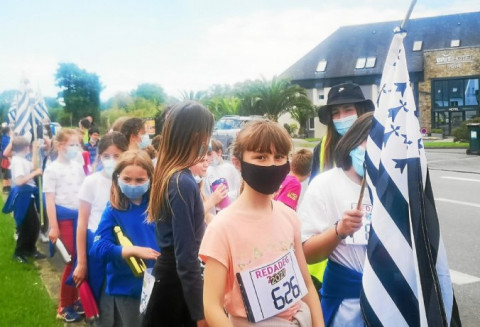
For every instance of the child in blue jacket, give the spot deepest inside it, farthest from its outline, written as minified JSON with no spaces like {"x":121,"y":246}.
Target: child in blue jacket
{"x":127,"y":209}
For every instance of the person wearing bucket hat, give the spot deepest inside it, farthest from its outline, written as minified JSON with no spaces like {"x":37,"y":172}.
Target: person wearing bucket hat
{"x":345,"y":104}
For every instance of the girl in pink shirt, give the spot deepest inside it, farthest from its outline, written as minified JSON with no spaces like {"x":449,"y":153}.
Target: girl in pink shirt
{"x":255,"y":266}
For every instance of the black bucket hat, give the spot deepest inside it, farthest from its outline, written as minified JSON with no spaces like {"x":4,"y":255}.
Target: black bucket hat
{"x":343,"y":94}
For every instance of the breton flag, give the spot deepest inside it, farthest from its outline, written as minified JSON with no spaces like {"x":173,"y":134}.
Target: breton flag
{"x":40,"y":109}
{"x":12,"y":111}
{"x":406,"y":281}
{"x":28,"y":110}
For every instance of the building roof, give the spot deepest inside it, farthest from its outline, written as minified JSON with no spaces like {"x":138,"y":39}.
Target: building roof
{"x":342,"y":48}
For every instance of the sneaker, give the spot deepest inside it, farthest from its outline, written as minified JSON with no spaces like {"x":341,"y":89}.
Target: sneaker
{"x":20,"y":258}
{"x":38,"y":255}
{"x":78,"y":307}
{"x":69,"y":315}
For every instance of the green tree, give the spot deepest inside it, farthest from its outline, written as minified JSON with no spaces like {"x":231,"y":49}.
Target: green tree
{"x":198,"y":96}
{"x":6,"y":99}
{"x":152,"y":92}
{"x":80,"y":91}
{"x":275,"y":97}
{"x":221,"y":106}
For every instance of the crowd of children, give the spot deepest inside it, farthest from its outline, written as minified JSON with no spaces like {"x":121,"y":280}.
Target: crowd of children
{"x":221,"y":240}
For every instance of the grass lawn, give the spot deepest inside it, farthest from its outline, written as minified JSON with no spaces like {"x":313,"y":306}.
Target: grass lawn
{"x":446,"y":145}
{"x":24,"y":301}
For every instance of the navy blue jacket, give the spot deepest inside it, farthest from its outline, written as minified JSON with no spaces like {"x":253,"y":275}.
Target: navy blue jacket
{"x":183,"y":229}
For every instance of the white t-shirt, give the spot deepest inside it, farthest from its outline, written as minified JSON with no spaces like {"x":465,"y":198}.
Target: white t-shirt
{"x":96,"y":191}
{"x":224,"y":170}
{"x":326,"y":199}
{"x":21,"y":167}
{"x":64,"y":179}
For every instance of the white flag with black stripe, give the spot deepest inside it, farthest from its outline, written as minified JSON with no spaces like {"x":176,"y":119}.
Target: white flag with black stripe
{"x":406,"y":281}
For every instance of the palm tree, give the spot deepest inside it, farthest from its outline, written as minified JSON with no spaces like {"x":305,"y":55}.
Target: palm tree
{"x":278,"y":96}
{"x":221,"y":106}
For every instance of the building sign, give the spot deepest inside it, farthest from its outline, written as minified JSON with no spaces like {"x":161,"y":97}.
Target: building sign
{"x":453,"y":61}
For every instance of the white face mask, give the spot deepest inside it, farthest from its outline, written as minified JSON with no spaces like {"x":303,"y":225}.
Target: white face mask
{"x":198,"y":179}
{"x":144,"y":142}
{"x":109,"y":166}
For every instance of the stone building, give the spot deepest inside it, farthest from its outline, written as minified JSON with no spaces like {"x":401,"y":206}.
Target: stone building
{"x":443,"y":57}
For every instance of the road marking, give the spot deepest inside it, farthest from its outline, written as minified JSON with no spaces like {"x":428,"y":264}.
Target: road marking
{"x":476,"y":205}
{"x":461,"y":179}
{"x":460,"y":278}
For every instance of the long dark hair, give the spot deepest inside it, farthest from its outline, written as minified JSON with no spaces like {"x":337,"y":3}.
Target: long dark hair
{"x":185,"y":135}
{"x":353,"y":138}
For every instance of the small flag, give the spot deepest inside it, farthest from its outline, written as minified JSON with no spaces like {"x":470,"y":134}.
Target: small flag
{"x":406,"y":281}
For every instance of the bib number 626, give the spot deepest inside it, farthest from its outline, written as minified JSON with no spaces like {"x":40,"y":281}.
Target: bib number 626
{"x":285,"y":294}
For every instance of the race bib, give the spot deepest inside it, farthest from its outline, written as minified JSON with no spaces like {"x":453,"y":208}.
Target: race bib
{"x":360,"y":237}
{"x":147,"y":287}
{"x":273,"y":288}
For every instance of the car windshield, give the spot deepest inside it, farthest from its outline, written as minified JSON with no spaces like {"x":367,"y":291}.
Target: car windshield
{"x":229,"y":124}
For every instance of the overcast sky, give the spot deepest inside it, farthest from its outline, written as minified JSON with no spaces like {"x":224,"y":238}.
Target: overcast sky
{"x":179,"y":44}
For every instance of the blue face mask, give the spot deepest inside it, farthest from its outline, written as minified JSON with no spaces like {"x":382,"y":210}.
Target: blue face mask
{"x":358,"y":158}
{"x":133,"y":192}
{"x":72,"y":152}
{"x":144,"y":142}
{"x":342,"y":125}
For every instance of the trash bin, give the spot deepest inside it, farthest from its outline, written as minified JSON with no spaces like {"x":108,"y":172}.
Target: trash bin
{"x":474,"y":131}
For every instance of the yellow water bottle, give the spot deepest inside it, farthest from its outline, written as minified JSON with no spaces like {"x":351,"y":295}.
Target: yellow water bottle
{"x":137,"y":265}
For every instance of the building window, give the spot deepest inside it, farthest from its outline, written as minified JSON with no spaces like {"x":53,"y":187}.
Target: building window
{"x":321,"y":66}
{"x":417,"y":46}
{"x":321,"y":97}
{"x":455,"y":43}
{"x":311,"y":123}
{"x":360,"y":63}
{"x":370,"y":62}
{"x":456,"y":93}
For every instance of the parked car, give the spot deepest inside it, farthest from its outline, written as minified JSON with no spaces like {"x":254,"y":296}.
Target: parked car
{"x":227,"y":128}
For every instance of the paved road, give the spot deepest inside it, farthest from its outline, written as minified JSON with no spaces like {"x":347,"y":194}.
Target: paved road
{"x":456,"y":186}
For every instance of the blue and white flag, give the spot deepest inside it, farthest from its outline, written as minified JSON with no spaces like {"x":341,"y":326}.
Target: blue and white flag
{"x":12,"y":111}
{"x":406,"y":281}
{"x":40,"y":109}
{"x":23,"y":119}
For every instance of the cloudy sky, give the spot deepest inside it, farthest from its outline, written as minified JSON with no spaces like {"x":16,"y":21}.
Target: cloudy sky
{"x":179,"y":44}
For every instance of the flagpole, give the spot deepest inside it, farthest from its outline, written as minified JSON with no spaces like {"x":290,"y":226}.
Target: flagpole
{"x":409,"y":12}
{"x":38,"y":164}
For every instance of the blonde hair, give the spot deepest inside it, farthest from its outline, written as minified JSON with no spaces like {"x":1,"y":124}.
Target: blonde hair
{"x":140,"y":158}
{"x":184,"y":141}
{"x":262,"y":136}
{"x":64,"y":135}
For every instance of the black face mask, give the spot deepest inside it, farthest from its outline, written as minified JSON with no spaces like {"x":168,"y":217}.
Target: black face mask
{"x":264,"y":179}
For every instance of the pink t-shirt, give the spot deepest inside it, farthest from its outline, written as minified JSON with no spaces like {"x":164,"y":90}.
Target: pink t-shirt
{"x":289,"y":192}
{"x":239,"y":242}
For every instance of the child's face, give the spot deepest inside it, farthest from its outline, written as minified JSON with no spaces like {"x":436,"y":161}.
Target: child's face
{"x":94,"y":137}
{"x":264,"y":159}
{"x":112,"y":152}
{"x":134,"y":175}
{"x":72,"y":141}
{"x":200,"y":169}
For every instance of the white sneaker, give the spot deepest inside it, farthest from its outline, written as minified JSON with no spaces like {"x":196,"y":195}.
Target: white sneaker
{"x":15,"y":236}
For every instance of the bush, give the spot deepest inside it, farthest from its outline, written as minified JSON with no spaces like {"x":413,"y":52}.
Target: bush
{"x":437,"y":130}
{"x":461,"y":132}
{"x":293,"y":128}
{"x":287,"y":127}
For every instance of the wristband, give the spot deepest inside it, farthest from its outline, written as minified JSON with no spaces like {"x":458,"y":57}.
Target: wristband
{"x":339,"y":236}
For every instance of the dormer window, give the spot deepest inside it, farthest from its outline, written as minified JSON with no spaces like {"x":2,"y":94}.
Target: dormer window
{"x":360,"y":63}
{"x":321,"y":66}
{"x":417,"y":46}
{"x":371,"y":62}
{"x":454,"y":43}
